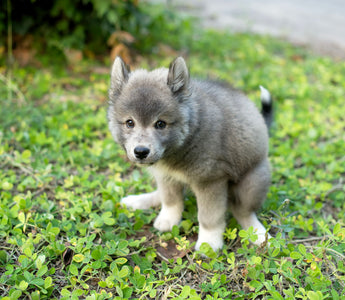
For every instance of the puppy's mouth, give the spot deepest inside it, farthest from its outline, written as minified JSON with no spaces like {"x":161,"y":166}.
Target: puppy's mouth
{"x":144,"y":163}
{"x":148,"y":161}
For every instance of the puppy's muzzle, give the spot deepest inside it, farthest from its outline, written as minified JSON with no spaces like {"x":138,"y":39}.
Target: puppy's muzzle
{"x":141,"y":152}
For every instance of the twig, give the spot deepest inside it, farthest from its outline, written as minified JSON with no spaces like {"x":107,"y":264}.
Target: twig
{"x":162,"y":256}
{"x":316,"y":247}
{"x":334,"y":251}
{"x":329,"y":250}
{"x":316,"y":238}
{"x":180,"y":278}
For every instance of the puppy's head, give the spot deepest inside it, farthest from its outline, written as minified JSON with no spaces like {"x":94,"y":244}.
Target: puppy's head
{"x":147,"y":113}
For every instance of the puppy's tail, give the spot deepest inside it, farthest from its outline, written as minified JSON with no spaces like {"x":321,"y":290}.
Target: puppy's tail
{"x":267,"y":106}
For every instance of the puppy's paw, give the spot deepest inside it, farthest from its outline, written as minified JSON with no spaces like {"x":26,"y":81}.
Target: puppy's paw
{"x":213,"y":237}
{"x":259,"y":229}
{"x":132,"y":201}
{"x":144,"y":201}
{"x":167,"y":218}
{"x":262,"y":238}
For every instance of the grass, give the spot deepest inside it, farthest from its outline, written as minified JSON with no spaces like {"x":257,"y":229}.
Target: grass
{"x":63,"y":234}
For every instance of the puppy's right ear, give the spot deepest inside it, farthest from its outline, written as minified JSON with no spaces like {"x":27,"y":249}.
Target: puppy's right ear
{"x":119,"y":76}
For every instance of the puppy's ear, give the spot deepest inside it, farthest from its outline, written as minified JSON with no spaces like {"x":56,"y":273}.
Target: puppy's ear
{"x":119,"y":76}
{"x":178,"y":77}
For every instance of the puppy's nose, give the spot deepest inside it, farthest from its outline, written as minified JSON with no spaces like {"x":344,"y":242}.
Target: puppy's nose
{"x":141,"y":152}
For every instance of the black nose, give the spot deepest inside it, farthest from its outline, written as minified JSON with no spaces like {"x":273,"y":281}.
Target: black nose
{"x":141,"y":152}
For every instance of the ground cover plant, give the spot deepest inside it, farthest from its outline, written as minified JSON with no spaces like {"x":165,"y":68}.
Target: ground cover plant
{"x":88,"y":25}
{"x":63,"y":234}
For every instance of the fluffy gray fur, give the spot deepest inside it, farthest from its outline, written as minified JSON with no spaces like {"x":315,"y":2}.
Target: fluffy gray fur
{"x":196,"y":133}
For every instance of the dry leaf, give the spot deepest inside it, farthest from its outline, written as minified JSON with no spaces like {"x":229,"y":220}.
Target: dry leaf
{"x":67,"y":256}
{"x":123,"y":51}
{"x":119,"y":37}
{"x":168,"y":250}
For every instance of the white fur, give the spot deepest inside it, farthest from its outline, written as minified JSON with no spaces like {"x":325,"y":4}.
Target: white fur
{"x":160,"y":170}
{"x":168,"y":217}
{"x":265,"y":95}
{"x":116,"y":71}
{"x":214,"y":237}
{"x":259,"y":229}
{"x":144,"y":201}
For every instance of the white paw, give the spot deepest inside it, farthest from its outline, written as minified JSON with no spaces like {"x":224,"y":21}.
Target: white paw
{"x":167,"y":218}
{"x":261,"y":238}
{"x":259,"y":229}
{"x":213,"y":237}
{"x":144,"y":201}
{"x":133,"y":201}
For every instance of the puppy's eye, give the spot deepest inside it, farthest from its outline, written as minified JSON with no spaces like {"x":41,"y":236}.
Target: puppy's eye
{"x":130,"y":123}
{"x":160,"y":124}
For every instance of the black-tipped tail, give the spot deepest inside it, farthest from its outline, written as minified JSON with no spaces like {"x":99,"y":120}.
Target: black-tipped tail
{"x":267,"y":106}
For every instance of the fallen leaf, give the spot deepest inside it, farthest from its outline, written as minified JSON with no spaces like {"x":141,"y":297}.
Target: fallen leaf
{"x":169,"y":250}
{"x":67,"y":256}
{"x":123,"y":51}
{"x":119,"y":37}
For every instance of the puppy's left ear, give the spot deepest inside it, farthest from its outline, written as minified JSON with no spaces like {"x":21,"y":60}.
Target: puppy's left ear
{"x":119,"y":76}
{"x":178,"y":77}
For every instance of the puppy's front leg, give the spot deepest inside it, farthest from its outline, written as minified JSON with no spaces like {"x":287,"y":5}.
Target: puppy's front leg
{"x":212,"y":205}
{"x":170,"y":193}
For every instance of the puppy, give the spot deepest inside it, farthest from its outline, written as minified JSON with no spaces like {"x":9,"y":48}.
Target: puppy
{"x":195,"y":133}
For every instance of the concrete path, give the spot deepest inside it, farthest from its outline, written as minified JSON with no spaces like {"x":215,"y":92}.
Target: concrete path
{"x":318,"y":24}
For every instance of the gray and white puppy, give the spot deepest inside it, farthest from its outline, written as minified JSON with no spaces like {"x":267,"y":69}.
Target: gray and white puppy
{"x":196,"y":133}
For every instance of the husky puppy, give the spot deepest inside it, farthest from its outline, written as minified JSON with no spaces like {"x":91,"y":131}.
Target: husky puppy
{"x":195,"y":133}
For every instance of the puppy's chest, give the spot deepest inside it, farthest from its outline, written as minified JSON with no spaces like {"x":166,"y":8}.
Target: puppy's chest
{"x":163,"y":170}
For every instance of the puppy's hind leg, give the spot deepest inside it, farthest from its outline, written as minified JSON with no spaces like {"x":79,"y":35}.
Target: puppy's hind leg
{"x":249,"y":194}
{"x":212,"y":205}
